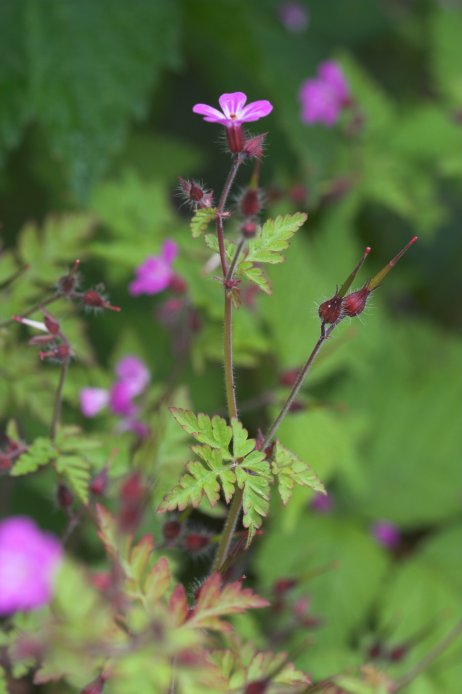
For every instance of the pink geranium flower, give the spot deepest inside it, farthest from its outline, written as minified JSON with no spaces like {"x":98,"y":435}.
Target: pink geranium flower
{"x":132,"y":379}
{"x":233,"y":110}
{"x":324,"y":97}
{"x":29,"y":559}
{"x":386,"y":534}
{"x":294,"y":16}
{"x":154,"y":274}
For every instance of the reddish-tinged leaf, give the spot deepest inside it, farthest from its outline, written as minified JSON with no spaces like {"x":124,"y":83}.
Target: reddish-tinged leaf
{"x":215,"y":602}
{"x":139,"y":557}
{"x":178,"y":606}
{"x":107,"y":530}
{"x":157,"y":581}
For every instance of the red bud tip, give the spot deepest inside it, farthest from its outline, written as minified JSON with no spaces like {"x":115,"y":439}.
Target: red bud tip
{"x":76,"y":266}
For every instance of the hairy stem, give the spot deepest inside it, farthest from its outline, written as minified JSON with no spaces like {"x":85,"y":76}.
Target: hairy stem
{"x":237,"y":161}
{"x":232,"y":267}
{"x":229,"y":371}
{"x":297,"y":385}
{"x":422,"y":665}
{"x":58,"y":400}
{"x":228,"y":531}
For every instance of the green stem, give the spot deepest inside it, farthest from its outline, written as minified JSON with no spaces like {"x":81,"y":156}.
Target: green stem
{"x":58,"y":400}
{"x":297,"y":385}
{"x":228,"y":348}
{"x":228,"y":531}
{"x":232,"y":267}
{"x":237,"y":161}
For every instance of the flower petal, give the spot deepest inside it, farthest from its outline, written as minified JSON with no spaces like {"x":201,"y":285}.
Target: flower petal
{"x":256,"y":110}
{"x":169,"y":251}
{"x":211,"y":115}
{"x":232,"y":104}
{"x":93,"y":400}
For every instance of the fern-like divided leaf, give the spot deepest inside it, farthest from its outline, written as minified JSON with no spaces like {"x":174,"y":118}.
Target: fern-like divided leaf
{"x":254,"y":478}
{"x":201,"y":479}
{"x":212,"y":431}
{"x":256,"y":275}
{"x":291,"y":471}
{"x":215,"y":601}
{"x":40,"y":453}
{"x":274,"y":238}
{"x":201,"y":220}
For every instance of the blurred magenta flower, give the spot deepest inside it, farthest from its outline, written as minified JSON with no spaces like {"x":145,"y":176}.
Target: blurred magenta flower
{"x":132,"y":379}
{"x":324,"y":97}
{"x":233,"y":110}
{"x":386,"y":534}
{"x":294,"y":16}
{"x":29,"y":559}
{"x":155,"y":273}
{"x":322,"y":503}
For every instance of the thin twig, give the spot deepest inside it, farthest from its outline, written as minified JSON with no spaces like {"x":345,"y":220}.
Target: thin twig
{"x":32,"y":309}
{"x":58,"y":400}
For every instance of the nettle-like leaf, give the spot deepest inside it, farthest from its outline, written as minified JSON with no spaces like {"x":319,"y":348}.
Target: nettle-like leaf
{"x":274,"y":237}
{"x":40,"y":453}
{"x":215,"y":601}
{"x":201,"y":479}
{"x":254,"y":478}
{"x":200,"y":221}
{"x":212,"y":431}
{"x":291,"y":471}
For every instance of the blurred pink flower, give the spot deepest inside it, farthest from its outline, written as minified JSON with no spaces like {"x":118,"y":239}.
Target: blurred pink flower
{"x":132,"y":379}
{"x":233,"y":110}
{"x":386,"y":534}
{"x":29,"y":559}
{"x":322,"y":503}
{"x":324,"y":97}
{"x":294,"y":16}
{"x":155,"y":273}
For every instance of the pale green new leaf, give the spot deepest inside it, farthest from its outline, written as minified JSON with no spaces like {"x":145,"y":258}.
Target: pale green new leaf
{"x":212,"y":431}
{"x":201,"y":220}
{"x":40,"y":453}
{"x":77,"y":472}
{"x":199,"y":480}
{"x":242,"y":445}
{"x":212,"y":242}
{"x":254,"y":478}
{"x":274,"y":238}
{"x":291,"y":471}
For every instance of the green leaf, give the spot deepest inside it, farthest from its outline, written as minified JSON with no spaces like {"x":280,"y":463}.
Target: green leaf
{"x":200,"y":480}
{"x":77,"y":472}
{"x":157,"y":581}
{"x":256,"y":275}
{"x":213,"y":431}
{"x":253,"y":477}
{"x":274,"y":238}
{"x":242,"y":445}
{"x":3,"y":689}
{"x":291,"y":471}
{"x":215,"y":601}
{"x":201,"y":220}
{"x":40,"y":453}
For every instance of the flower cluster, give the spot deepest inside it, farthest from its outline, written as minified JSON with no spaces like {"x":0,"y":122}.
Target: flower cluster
{"x":29,"y":559}
{"x":132,"y":379}
{"x":324,"y":97}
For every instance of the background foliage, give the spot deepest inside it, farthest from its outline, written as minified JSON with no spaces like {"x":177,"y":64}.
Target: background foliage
{"x":95,"y":127}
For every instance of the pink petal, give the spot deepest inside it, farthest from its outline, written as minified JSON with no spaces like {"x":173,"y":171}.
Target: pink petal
{"x":169,"y":251}
{"x":211,"y":115}
{"x":93,"y":400}
{"x":256,"y":110}
{"x":133,"y":372}
{"x":232,"y":104}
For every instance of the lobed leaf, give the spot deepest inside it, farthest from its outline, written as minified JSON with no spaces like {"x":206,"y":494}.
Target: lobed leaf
{"x":274,"y":238}
{"x":254,"y":477}
{"x":77,"y":472}
{"x":201,"y":220}
{"x":291,"y":471}
{"x":256,"y":275}
{"x":242,"y":445}
{"x":213,"y":431}
{"x":107,"y":530}
{"x":215,"y":601}
{"x":40,"y":453}
{"x":157,"y":581}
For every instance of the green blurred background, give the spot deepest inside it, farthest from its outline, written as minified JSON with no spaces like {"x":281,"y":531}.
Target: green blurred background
{"x":96,"y":126}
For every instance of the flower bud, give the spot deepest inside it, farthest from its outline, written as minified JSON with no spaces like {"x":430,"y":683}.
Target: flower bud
{"x":194,"y":193}
{"x":249,"y":229}
{"x":94,"y":299}
{"x":177,"y":284}
{"x":250,"y":203}
{"x":60,"y":353}
{"x":64,"y":496}
{"x":98,"y":484}
{"x":331,"y":310}
{"x":253,"y":147}
{"x":67,"y":284}
{"x":51,"y":323}
{"x":171,"y":530}
{"x":195,"y":542}
{"x":236,"y":139}
{"x":354,"y":304}
{"x":289,"y":378}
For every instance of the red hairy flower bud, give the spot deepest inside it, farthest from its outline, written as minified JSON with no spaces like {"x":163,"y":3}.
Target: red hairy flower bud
{"x":96,"y":300}
{"x":67,"y":284}
{"x":249,"y":229}
{"x":254,"y":146}
{"x":64,"y":496}
{"x":177,"y":284}
{"x":250,"y":203}
{"x":257,"y":687}
{"x":330,"y":310}
{"x":98,"y":484}
{"x":289,"y":378}
{"x":194,"y":542}
{"x":284,"y":584}
{"x":60,"y":353}
{"x":51,"y":323}
{"x":171,"y":529}
{"x":354,"y":304}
